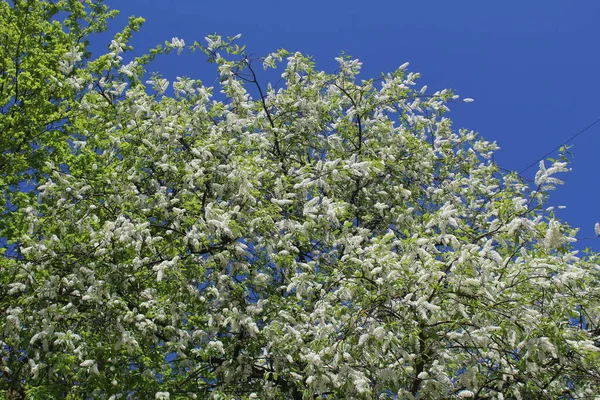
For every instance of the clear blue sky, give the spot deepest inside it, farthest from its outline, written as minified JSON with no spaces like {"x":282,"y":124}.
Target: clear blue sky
{"x":533,"y":67}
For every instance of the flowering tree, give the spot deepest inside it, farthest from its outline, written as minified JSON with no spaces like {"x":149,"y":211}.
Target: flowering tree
{"x":322,"y":238}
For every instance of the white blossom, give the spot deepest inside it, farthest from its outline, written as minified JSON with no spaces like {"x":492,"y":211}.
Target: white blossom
{"x":128,"y":69}
{"x":73,"y":55}
{"x":554,"y":237}
{"x":179,"y":44}
{"x":213,"y":42}
{"x":160,"y":85}
{"x":116,"y":46}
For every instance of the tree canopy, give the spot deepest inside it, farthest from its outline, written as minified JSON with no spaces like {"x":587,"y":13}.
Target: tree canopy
{"x":322,"y":236}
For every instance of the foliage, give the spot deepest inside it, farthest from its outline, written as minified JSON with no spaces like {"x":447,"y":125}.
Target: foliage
{"x":41,"y":65}
{"x":327,"y":237}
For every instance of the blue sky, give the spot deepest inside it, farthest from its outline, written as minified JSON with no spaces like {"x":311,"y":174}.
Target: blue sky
{"x":531,"y":66}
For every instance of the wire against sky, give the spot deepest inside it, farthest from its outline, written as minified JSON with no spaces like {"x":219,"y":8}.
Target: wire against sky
{"x":559,"y":146}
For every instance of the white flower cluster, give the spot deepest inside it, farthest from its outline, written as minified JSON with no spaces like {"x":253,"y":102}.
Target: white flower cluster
{"x":331,"y":237}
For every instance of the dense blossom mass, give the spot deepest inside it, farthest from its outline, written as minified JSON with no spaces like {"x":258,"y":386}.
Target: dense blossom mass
{"x":320,"y":237}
